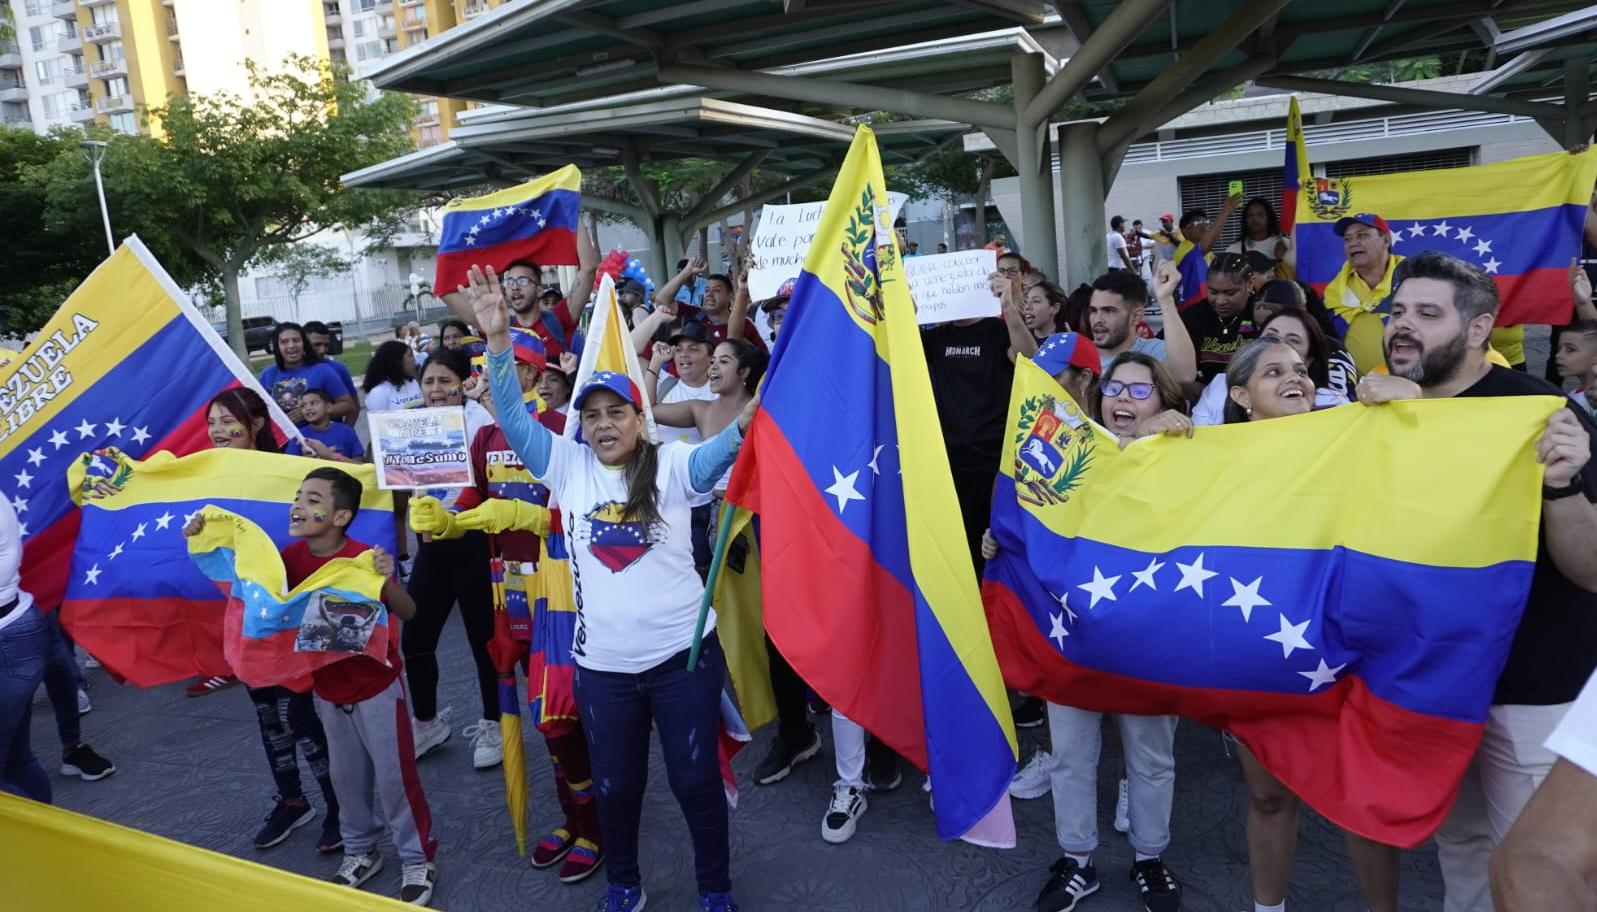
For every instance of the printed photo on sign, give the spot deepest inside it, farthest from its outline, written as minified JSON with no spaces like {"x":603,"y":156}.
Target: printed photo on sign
{"x":782,"y":240}
{"x":421,"y":448}
{"x":334,"y":624}
{"x":952,"y":286}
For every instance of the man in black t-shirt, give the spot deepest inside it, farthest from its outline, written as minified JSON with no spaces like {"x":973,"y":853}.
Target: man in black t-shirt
{"x":1435,"y":346}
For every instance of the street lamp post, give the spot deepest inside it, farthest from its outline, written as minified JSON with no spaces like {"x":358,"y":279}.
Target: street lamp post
{"x":94,"y":150}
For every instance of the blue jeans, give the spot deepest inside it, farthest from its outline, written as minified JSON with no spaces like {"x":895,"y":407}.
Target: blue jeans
{"x":62,"y":679}
{"x":24,"y":650}
{"x":685,"y":707}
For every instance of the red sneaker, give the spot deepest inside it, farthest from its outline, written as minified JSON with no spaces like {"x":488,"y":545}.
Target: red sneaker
{"x":583,"y":859}
{"x":552,"y":847}
{"x":203,"y":686}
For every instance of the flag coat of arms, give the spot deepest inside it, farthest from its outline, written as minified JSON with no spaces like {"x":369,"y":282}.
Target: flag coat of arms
{"x":535,"y":221}
{"x":868,"y":586}
{"x":1518,"y":220}
{"x":127,"y":362}
{"x":1352,"y":642}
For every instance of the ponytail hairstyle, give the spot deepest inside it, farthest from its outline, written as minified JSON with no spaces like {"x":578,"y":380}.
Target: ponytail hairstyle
{"x":246,"y":406}
{"x":643,"y":487}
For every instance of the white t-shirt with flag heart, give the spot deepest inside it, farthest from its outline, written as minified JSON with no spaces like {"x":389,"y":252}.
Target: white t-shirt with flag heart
{"x":637,"y":593}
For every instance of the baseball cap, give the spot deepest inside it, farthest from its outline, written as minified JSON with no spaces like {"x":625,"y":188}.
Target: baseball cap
{"x":550,"y":290}
{"x":633,"y":286}
{"x":617,"y":383}
{"x":1067,"y":349}
{"x":1167,"y":217}
{"x":1362,"y":218}
{"x":1259,"y":262}
{"x":692,"y":331}
{"x":528,"y":348}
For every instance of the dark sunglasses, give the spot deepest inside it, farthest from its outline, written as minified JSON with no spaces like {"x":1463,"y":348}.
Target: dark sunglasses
{"x":1139,"y":391}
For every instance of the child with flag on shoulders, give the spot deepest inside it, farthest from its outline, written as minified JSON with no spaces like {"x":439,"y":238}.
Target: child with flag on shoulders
{"x":362,"y":701}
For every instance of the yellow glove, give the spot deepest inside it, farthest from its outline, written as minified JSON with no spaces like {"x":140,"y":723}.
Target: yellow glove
{"x":427,"y":515}
{"x":498,"y":515}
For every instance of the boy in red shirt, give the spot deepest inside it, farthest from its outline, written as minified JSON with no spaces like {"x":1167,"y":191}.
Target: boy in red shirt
{"x":371,"y":757}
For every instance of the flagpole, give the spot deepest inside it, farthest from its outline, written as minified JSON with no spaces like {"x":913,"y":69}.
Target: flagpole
{"x":723,"y":541}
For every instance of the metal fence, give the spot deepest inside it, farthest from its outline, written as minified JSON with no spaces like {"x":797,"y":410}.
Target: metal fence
{"x":368,"y":313}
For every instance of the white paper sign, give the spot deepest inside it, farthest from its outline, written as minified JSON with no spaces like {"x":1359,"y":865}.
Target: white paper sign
{"x":420,"y":448}
{"x":782,"y":241}
{"x":952,"y":286}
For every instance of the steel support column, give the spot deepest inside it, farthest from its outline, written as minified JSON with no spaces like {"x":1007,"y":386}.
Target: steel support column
{"x":1082,"y":190}
{"x":1577,"y":91}
{"x":1034,"y":162}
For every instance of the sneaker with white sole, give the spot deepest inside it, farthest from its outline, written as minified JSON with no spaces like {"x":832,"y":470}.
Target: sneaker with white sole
{"x":843,"y":814}
{"x":1123,"y":809}
{"x":487,"y":744}
{"x":1035,"y":779}
{"x":84,"y":706}
{"x":80,"y":760}
{"x":1068,"y":882}
{"x":782,"y":757}
{"x":284,"y":818}
{"x":1158,"y":887}
{"x":431,"y":733}
{"x":357,"y":869}
{"x":416,"y":883}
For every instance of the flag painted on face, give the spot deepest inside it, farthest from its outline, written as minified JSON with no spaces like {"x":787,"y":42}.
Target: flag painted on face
{"x":868,"y":586}
{"x":1294,"y":167}
{"x":135,"y":599}
{"x":535,"y":221}
{"x":126,"y":362}
{"x":1352,"y":643}
{"x":1519,"y":220}
{"x":277,"y":636}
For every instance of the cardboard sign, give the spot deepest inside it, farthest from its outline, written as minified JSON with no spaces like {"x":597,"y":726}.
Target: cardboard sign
{"x":421,"y":448}
{"x":782,"y":241}
{"x":952,"y":286}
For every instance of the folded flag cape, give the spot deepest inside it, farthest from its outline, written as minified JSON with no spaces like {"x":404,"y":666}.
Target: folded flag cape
{"x":126,"y":362}
{"x":274,"y":635}
{"x":1350,"y":637}
{"x":135,"y":599}
{"x":535,"y":221}
{"x":868,"y":586}
{"x":1519,"y":220}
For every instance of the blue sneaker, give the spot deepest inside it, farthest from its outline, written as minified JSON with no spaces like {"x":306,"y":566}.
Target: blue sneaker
{"x":717,"y":902}
{"x":622,"y":899}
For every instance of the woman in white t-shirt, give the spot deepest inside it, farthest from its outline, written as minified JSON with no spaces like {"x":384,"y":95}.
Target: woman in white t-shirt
{"x":1261,"y":232}
{"x":390,"y":382}
{"x":627,"y":503}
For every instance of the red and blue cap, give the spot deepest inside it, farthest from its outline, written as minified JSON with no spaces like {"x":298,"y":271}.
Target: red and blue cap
{"x":528,"y":348}
{"x":1362,"y":218}
{"x":1067,"y":349}
{"x":615,"y":382}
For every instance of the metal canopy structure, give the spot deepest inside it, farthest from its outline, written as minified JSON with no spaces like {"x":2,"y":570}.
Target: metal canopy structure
{"x":1162,"y":58}
{"x":511,"y":149}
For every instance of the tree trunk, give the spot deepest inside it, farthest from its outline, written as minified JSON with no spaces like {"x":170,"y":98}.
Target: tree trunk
{"x":235,"y":317}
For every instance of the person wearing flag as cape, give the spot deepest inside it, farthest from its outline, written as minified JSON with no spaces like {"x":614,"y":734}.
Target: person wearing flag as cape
{"x":637,"y":596}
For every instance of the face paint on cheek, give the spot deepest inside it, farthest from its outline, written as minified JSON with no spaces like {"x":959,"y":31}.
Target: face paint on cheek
{"x":319,"y":516}
{"x":453,"y":391}
{"x":235,"y":432}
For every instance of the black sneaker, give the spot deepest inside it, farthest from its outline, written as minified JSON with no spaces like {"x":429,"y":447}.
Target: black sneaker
{"x":332,"y":838}
{"x":1030,"y":712}
{"x":1159,"y":889}
{"x":782,"y":757}
{"x":83,"y":761}
{"x":843,"y":814}
{"x":286,"y":816}
{"x":416,"y":883}
{"x":882,"y":770}
{"x":817,"y":706}
{"x":1067,"y":883}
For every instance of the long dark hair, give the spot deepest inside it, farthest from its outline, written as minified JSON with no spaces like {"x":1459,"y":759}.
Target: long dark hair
{"x":1319,"y":359}
{"x":453,"y":360}
{"x":643,"y":485}
{"x":1057,"y":297}
{"x":1272,"y":222}
{"x":308,"y":354}
{"x":246,"y":406}
{"x":387,"y":365}
{"x":1240,"y":369}
{"x":1169,"y":390}
{"x":751,"y":358}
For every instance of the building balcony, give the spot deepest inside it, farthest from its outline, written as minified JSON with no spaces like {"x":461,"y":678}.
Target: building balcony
{"x":475,"y":9}
{"x":81,"y":113}
{"x":413,"y":23}
{"x":10,"y":57}
{"x":88,"y":3}
{"x":70,"y":44}
{"x":96,"y":34}
{"x":16,"y":118}
{"x":116,"y":66}
{"x":333,"y":20}
{"x":335,"y":42}
{"x":177,"y":67}
{"x":114,"y":104}
{"x":13,"y":90}
{"x":387,"y":30}
{"x":64,"y":9}
{"x":75,"y":77}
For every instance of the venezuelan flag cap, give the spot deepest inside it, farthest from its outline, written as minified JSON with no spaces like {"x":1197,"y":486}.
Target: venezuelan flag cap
{"x":528,"y":348}
{"x":617,"y":383}
{"x":1362,"y":218}
{"x":1067,"y":349}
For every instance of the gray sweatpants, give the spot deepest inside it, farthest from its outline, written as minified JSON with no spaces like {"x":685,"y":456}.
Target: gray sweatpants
{"x":372,"y":758}
{"x":1149,"y":744}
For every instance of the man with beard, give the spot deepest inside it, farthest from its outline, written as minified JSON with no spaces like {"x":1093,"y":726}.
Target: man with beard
{"x":1219,"y":323}
{"x":1359,"y":296}
{"x":1436,"y":348}
{"x":321,"y":338}
{"x":1118,"y":299}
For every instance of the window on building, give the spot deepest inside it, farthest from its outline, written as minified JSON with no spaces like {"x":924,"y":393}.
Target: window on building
{"x":37,"y":8}
{"x":363,"y":27}
{"x":53,"y":109}
{"x":369,"y":50}
{"x":430,"y":136}
{"x":116,"y":85}
{"x":125,"y":123}
{"x":48,"y":70}
{"x":365,"y":6}
{"x":103,"y":15}
{"x":111,"y":50}
{"x":69,"y":28}
{"x":42,"y":36}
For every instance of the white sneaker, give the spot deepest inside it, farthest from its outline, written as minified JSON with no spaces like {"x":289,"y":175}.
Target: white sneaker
{"x":1123,"y":810}
{"x":1035,"y":779}
{"x":84,"y":706}
{"x":842,"y":816}
{"x":416,"y":883}
{"x":357,"y":869}
{"x":90,"y":661}
{"x":487,"y":744}
{"x":431,"y":734}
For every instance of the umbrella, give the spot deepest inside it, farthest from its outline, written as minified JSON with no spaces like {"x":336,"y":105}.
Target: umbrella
{"x":506,"y":651}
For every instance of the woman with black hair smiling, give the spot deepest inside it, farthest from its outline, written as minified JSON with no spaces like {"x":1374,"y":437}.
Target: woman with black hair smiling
{"x":298,"y":368}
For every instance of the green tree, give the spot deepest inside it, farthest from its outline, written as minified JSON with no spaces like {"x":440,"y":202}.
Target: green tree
{"x":230,"y":180}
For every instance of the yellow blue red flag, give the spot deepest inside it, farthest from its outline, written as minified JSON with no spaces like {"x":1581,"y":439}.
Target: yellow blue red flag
{"x":1295,"y":168}
{"x":135,"y":599}
{"x":868,"y":584}
{"x":535,"y":221}
{"x":1519,"y":220}
{"x":609,"y":349}
{"x":1353,"y":642}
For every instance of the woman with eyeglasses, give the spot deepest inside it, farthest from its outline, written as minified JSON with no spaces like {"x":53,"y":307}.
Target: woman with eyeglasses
{"x":1294,"y":327}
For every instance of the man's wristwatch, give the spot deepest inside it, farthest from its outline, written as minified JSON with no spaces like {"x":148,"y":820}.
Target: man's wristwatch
{"x":1575,"y":486}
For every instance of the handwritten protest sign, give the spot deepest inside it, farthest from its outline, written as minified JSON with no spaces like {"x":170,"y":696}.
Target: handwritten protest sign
{"x":421,"y":448}
{"x":952,"y":286}
{"x":782,"y":240}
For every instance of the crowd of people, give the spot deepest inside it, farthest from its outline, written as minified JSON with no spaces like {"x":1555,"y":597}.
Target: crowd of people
{"x":632,"y":510}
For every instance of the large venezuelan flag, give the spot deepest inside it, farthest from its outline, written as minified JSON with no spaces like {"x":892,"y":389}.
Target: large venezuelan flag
{"x":1351,"y":638}
{"x":126,"y":362}
{"x":869,"y":590}
{"x":1520,"y":220}
{"x":135,"y":599}
{"x":1294,"y":168}
{"x":277,"y":636}
{"x":535,"y":221}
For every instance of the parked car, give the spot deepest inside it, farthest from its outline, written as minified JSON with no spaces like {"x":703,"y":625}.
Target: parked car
{"x":257,"y":333}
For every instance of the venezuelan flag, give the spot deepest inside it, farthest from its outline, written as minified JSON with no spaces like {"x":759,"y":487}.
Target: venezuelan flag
{"x":135,"y":599}
{"x":535,"y":221}
{"x":1519,"y":220}
{"x":869,"y":590}
{"x":1352,"y":641}
{"x":1294,"y":168}
{"x":551,"y":687}
{"x":609,"y":348}
{"x":126,"y":362}
{"x":277,"y":636}
{"x":1194,"y":271}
